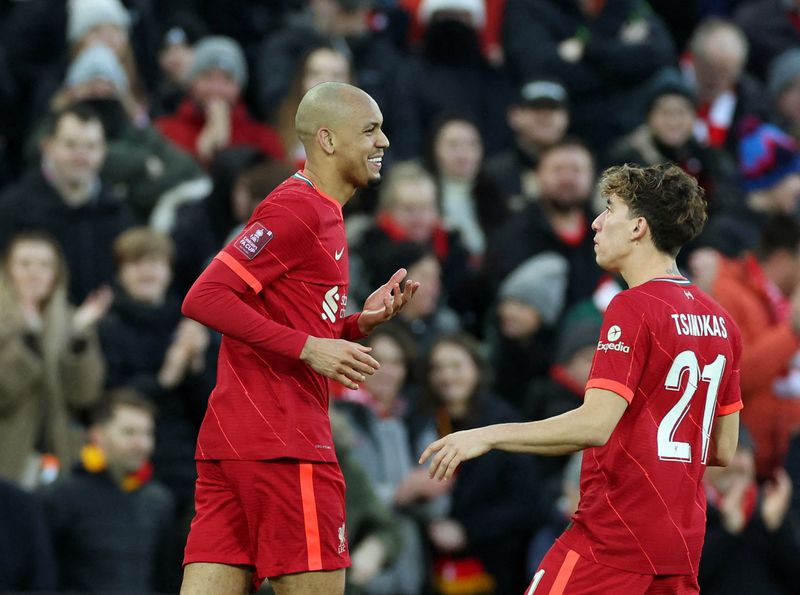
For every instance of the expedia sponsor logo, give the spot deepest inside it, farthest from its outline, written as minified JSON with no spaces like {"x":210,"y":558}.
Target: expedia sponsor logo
{"x":613,"y":347}
{"x":613,"y":335}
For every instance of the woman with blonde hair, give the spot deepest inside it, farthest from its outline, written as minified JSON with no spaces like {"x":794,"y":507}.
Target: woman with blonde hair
{"x":50,"y":361}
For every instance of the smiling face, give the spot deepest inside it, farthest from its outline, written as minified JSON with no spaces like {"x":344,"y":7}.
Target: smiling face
{"x":613,"y":228}
{"x":359,"y":142}
{"x":76,"y":150}
{"x":454,"y":376}
{"x":458,"y":150}
{"x":672,"y":120}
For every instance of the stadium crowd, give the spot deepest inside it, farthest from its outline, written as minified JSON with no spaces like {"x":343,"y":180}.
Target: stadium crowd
{"x":137,"y":137}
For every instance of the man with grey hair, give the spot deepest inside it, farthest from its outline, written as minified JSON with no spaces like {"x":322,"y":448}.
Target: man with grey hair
{"x":725,"y":93}
{"x":213,"y":115}
{"x":269,"y":497}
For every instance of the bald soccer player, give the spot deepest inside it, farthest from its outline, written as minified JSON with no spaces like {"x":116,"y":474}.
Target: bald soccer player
{"x":269,"y":497}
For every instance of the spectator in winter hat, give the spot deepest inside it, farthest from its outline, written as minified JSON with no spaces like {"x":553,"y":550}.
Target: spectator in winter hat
{"x":213,"y":115}
{"x":783,"y":84}
{"x":530,"y":301}
{"x":769,"y":170}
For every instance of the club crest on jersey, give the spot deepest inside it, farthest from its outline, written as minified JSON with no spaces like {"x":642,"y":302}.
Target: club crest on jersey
{"x":342,"y":540}
{"x":253,"y":240}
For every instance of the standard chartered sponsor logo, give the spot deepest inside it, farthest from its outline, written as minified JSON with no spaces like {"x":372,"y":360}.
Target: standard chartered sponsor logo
{"x":330,"y":304}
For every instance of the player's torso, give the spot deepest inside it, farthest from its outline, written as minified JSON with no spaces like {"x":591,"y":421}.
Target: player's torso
{"x":641,"y":492}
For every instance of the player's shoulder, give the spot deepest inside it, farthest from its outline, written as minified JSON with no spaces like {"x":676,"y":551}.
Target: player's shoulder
{"x":291,"y":198}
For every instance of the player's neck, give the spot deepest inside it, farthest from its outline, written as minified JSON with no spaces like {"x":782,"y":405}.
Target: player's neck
{"x":329,"y":184}
{"x":652,"y":266}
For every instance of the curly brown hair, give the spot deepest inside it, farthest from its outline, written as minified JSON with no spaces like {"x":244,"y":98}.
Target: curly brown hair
{"x":667,"y":197}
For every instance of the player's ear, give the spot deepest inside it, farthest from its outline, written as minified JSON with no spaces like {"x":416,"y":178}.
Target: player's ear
{"x":639,"y":228}
{"x":325,"y":140}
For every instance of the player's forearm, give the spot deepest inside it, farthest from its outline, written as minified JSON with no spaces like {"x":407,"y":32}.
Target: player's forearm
{"x":559,"y":435}
{"x":215,"y":303}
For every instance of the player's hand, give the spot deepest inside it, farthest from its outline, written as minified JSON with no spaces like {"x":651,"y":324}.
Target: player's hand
{"x":776,"y":501}
{"x":385,"y":302}
{"x":448,"y":453}
{"x":340,"y":360}
{"x":418,"y":485}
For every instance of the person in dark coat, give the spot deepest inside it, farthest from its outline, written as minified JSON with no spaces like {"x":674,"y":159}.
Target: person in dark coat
{"x":771,"y":27}
{"x":559,"y":222}
{"x":494,"y":508}
{"x":603,"y":52}
{"x":753,"y":535}
{"x":151,"y":348}
{"x":108,"y":518}
{"x":65,"y":198}
{"x":27,"y":561}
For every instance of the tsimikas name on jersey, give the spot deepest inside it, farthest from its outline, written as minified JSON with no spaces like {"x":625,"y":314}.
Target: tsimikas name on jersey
{"x":700,"y":325}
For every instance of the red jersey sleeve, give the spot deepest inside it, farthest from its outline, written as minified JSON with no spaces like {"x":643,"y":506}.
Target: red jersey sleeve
{"x":622,"y":349}
{"x":729,"y":399}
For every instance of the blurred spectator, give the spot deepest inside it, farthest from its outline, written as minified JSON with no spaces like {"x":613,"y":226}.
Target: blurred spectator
{"x":64,"y":196}
{"x":408,"y":211}
{"x":469,"y":202}
{"x":202,"y":228}
{"x":771,"y":27}
{"x":559,"y":221}
{"x":50,"y":360}
{"x":725,"y":92}
{"x":753,"y":535}
{"x":426,"y":316}
{"x":175,"y":58}
{"x":373,"y":533}
{"x":213,"y":115}
{"x":149,"y":347}
{"x":560,"y":391}
{"x":769,"y":167}
{"x":450,"y":71}
{"x":321,"y":64}
{"x":783,"y":84}
{"x":382,"y":445}
{"x":493,"y":512}
{"x":107,"y":517}
{"x":761,"y":291}
{"x":539,"y":118}
{"x":667,"y":136}
{"x":141,"y":167}
{"x":603,"y":51}
{"x":379,"y":67}
{"x":529,"y":304}
{"x":559,"y":514}
{"x":250,"y":188}
{"x":27,"y":560}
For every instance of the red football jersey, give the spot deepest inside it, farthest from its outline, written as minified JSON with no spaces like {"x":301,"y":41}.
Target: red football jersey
{"x":293,"y":255}
{"x":673,"y":353}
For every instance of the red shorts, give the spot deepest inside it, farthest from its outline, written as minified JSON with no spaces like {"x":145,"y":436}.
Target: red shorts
{"x":279,"y":516}
{"x":564,"y":572}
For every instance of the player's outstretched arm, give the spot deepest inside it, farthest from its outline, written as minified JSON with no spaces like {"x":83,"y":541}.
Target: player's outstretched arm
{"x":385,"y":302}
{"x":340,"y":360}
{"x":589,"y":425}
{"x":724,"y":440}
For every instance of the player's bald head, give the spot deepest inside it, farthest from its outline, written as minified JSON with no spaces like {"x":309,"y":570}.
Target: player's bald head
{"x":328,"y":105}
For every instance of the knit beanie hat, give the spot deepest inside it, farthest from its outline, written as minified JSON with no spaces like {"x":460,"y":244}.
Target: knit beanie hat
{"x":667,"y":81}
{"x":97,"y":61}
{"x":476,"y":8}
{"x":84,"y":15}
{"x":572,"y":337}
{"x":541,"y":283}
{"x":766,"y":155}
{"x":224,"y":53}
{"x":783,"y":70}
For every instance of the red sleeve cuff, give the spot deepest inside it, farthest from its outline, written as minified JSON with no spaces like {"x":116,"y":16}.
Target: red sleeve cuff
{"x":728,"y":409}
{"x":350,"y":330}
{"x":613,"y":386}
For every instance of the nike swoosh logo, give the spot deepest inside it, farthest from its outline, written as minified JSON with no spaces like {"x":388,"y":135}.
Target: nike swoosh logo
{"x":338,"y":254}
